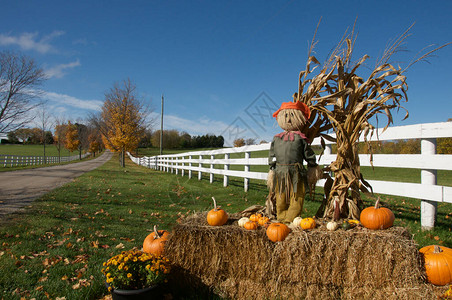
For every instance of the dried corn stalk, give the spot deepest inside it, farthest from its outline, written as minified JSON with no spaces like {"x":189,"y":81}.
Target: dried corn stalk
{"x":341,"y":100}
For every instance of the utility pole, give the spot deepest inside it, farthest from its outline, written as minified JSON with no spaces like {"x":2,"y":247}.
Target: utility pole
{"x":161,"y":129}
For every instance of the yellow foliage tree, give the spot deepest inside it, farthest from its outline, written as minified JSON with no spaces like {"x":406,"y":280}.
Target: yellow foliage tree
{"x":122,"y":120}
{"x":72,"y":141}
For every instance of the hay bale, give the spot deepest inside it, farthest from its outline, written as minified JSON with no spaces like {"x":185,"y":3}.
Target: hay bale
{"x":352,"y":264}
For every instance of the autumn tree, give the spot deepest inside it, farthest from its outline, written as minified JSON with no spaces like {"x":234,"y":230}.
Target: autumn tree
{"x":94,"y":140}
{"x":23,"y":134}
{"x":71,"y":141}
{"x":239,"y":142}
{"x":82,"y":134}
{"x":123,"y":119}
{"x":19,"y":78}
{"x":59,"y":135}
{"x":94,"y":144}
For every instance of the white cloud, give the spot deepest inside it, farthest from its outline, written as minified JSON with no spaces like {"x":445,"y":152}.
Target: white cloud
{"x":200,"y":126}
{"x":72,"y":101}
{"x":30,"y":41}
{"x":59,"y":70}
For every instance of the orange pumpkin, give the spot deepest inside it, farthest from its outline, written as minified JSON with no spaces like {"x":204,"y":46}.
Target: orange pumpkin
{"x":255,"y":217}
{"x":263,"y":220}
{"x":250,"y":225}
{"x":216,"y":216}
{"x":277,"y":232}
{"x":154,"y":243}
{"x":377,"y":217}
{"x":307,"y":223}
{"x":438,"y":264}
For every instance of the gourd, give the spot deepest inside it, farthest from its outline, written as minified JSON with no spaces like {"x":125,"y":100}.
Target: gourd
{"x":307,"y":223}
{"x":250,"y":225}
{"x":346,"y":225}
{"x":263,"y":220}
{"x":243,"y":220}
{"x":331,"y":226}
{"x":154,"y":243}
{"x":216,"y":216}
{"x":438,"y":264}
{"x":296,"y":222}
{"x":255,"y":217}
{"x":277,"y":232}
{"x":377,"y":217}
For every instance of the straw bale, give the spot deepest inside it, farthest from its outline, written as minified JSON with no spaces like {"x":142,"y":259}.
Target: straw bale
{"x":353,"y":264}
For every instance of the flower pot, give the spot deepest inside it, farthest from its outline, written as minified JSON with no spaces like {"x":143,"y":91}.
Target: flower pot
{"x":141,"y":294}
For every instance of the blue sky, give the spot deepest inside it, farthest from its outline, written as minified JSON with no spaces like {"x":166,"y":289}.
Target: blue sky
{"x":219,"y":62}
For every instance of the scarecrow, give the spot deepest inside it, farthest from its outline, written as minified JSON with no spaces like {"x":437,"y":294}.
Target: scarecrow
{"x":288,"y":178}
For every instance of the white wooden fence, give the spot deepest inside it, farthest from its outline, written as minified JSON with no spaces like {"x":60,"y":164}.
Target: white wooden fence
{"x":18,"y":160}
{"x":428,"y":161}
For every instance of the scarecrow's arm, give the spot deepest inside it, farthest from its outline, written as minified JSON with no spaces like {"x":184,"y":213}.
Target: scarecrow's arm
{"x":271,"y":156}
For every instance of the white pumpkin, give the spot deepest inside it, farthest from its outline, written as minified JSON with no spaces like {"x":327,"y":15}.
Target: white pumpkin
{"x":243,"y":220}
{"x":332,"y":226}
{"x":296,"y":222}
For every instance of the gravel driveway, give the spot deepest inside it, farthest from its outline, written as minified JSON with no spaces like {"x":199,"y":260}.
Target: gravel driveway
{"x":19,"y":188}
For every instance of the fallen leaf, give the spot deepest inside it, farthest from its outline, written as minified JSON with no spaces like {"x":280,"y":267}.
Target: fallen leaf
{"x":95,"y":244}
{"x":120,"y":246}
{"x":64,"y":277}
{"x":436,"y":238}
{"x":76,"y":286}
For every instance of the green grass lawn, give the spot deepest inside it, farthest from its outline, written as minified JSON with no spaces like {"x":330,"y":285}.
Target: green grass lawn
{"x":56,"y":247}
{"x":33,"y":150}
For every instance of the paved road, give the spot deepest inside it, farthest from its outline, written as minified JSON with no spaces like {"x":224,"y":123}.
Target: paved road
{"x":20,"y":188}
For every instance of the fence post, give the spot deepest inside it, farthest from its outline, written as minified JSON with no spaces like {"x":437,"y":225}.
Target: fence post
{"x":212,"y":157}
{"x":189,"y":166}
{"x":226,"y":168}
{"x":246,"y":182}
{"x":176,"y":164}
{"x":182,"y":166}
{"x":200,"y":165}
{"x":428,"y":208}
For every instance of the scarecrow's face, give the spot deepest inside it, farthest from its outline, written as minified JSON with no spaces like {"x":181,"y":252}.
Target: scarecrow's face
{"x":290,"y":119}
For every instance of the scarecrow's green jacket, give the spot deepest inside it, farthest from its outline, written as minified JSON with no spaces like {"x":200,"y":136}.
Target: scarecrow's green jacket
{"x":288,"y":150}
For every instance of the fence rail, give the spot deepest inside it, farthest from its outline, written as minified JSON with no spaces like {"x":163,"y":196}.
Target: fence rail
{"x":20,"y":160}
{"x":428,"y":161}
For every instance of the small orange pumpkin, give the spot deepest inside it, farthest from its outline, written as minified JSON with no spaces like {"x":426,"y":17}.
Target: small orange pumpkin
{"x":277,"y":232}
{"x":307,"y":223}
{"x":154,"y":243}
{"x":255,"y":217}
{"x":216,"y":216}
{"x":263,"y":220}
{"x":438,"y":264}
{"x":376,"y":217}
{"x":250,"y":225}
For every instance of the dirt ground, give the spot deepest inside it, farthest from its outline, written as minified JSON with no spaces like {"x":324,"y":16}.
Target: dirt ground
{"x":19,"y":188}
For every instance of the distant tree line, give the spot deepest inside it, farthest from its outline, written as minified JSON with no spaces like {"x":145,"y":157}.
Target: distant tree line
{"x":32,"y":136}
{"x":66,"y":135}
{"x":173,"y":139}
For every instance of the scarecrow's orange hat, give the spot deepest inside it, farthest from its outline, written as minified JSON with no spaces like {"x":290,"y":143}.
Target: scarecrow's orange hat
{"x":294,"y":105}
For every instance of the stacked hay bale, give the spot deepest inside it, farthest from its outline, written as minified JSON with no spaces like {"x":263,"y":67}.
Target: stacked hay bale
{"x":353,"y":264}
